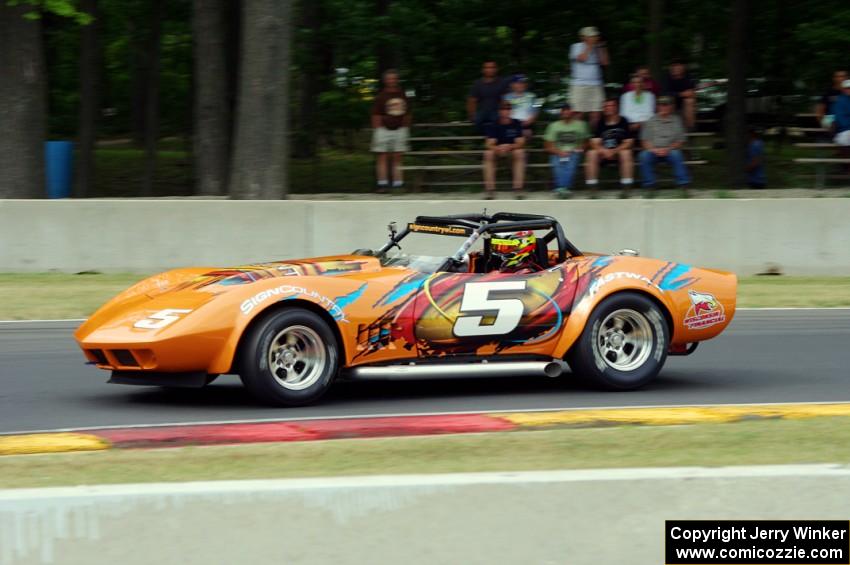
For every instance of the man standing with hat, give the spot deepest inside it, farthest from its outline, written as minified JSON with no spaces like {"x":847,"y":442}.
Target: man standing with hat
{"x":662,"y":138}
{"x":587,"y":57}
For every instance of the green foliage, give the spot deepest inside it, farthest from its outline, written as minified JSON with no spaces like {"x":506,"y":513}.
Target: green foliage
{"x":64,"y":8}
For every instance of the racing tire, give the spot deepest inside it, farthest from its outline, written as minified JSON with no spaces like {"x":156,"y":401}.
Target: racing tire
{"x":290,"y":358}
{"x":624,"y":343}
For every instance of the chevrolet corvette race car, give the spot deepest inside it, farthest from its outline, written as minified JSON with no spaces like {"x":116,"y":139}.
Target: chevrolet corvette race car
{"x":516,"y":297}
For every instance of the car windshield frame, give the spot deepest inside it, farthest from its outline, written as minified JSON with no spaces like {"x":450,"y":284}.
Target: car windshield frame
{"x":475,"y":226}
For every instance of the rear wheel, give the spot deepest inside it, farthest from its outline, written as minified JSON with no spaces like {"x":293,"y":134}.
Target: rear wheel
{"x":624,"y":343}
{"x":290,"y":358}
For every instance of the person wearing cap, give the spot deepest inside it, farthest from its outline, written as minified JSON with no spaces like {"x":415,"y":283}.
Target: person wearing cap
{"x":482,"y":104}
{"x":841,"y":111}
{"x":564,"y":141}
{"x":504,"y":139}
{"x":662,"y":138}
{"x":523,"y":107}
{"x":587,"y":57}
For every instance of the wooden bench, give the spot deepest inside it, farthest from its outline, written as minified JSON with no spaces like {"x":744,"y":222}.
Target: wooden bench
{"x":821,"y":164}
{"x":422,"y":170}
{"x":817,"y":145}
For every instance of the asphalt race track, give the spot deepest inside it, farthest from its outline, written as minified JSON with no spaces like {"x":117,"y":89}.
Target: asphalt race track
{"x":765,"y":356}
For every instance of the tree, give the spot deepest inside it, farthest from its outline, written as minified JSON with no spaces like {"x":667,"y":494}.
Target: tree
{"x":315,"y":65}
{"x":656,"y":20}
{"x":736,"y":103}
{"x":261,"y":150}
{"x":152,"y":94}
{"x":23,"y":104}
{"x":89,"y":73}
{"x":212,"y":112}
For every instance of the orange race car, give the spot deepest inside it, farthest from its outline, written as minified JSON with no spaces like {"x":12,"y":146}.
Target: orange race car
{"x":516,"y":297}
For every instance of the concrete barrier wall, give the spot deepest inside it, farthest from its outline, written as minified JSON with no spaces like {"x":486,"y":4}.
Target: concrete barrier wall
{"x":576,"y":517}
{"x":800,"y":236}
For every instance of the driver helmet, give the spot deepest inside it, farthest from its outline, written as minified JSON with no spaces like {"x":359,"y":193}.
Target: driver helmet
{"x":514,"y":251}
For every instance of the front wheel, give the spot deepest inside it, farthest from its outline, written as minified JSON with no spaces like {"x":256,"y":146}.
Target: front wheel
{"x":290,"y":358}
{"x":624,"y":343}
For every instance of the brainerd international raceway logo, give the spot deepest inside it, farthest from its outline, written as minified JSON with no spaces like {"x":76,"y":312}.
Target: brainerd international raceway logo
{"x":705,"y":311}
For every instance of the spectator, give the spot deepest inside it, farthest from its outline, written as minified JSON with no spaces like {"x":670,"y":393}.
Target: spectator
{"x":648,"y":82}
{"x":755,"y":160}
{"x":824,"y":107}
{"x":564,"y":141}
{"x":841,"y":108}
{"x":637,"y":105}
{"x":504,"y":138}
{"x":522,"y":104}
{"x":612,"y":143}
{"x":391,"y":121}
{"x":482,"y":105}
{"x":681,"y":87}
{"x":587,"y":57}
{"x":662,"y":139}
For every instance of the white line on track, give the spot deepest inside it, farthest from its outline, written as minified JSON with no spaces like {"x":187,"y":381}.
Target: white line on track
{"x":401,"y":415}
{"x":438,"y":479}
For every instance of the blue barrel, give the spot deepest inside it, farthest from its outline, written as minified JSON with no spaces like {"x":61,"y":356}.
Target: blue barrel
{"x":59,"y":168}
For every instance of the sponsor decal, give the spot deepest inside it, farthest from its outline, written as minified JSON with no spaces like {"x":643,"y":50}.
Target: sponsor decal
{"x":602,"y":280}
{"x":705,"y":311}
{"x":290,"y":291}
{"x":440,"y":230}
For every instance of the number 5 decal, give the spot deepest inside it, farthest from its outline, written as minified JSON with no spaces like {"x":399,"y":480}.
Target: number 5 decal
{"x":476,"y":298}
{"x":160,"y":319}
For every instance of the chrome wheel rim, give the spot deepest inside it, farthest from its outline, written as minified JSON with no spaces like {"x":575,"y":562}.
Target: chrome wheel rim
{"x":297,"y":357}
{"x":624,"y":340}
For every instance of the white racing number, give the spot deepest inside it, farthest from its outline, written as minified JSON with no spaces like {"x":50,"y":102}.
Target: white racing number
{"x":476,"y":303}
{"x":160,"y":319}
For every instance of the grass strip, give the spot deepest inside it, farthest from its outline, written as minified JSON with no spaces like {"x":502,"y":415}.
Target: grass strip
{"x":818,"y":440}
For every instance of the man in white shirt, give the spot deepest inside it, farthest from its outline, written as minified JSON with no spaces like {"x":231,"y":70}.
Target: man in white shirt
{"x":587,"y":57}
{"x":638,"y":104}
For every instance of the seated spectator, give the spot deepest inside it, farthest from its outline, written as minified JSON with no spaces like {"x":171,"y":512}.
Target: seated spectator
{"x":755,"y":160}
{"x":841,"y":110}
{"x":611,"y":144}
{"x":648,"y":82}
{"x":681,"y":87}
{"x":823,"y":109}
{"x":564,"y":141}
{"x":522,"y":103}
{"x":482,"y":105}
{"x":637,"y":105}
{"x":662,"y":139}
{"x":504,"y":138}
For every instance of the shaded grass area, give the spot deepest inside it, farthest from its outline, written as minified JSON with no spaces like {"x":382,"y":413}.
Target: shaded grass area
{"x":120,"y":169}
{"x":818,"y":440}
{"x":55,"y":296}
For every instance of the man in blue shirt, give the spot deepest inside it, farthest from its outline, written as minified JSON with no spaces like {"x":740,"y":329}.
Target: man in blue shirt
{"x":841,"y":110}
{"x":504,"y":139}
{"x":755,"y":160}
